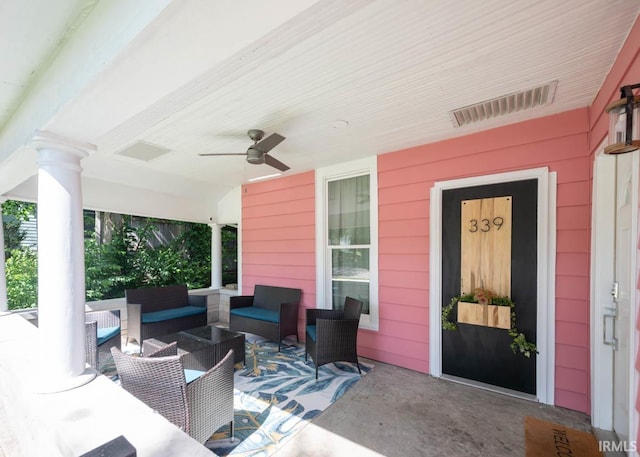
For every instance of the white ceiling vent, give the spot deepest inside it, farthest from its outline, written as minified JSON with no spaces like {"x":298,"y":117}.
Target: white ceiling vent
{"x":507,"y":104}
{"x":143,"y":151}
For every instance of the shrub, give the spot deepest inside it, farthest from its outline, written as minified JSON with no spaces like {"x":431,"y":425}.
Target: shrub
{"x":22,"y":279}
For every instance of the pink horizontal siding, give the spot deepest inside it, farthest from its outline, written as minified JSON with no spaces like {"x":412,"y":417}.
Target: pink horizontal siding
{"x":405,"y":178}
{"x":278,"y":236}
{"x":571,"y":310}
{"x":573,"y":357}
{"x":404,"y":352}
{"x":573,"y":240}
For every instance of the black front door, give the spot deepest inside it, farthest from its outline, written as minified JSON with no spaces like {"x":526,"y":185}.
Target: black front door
{"x":482,"y":353}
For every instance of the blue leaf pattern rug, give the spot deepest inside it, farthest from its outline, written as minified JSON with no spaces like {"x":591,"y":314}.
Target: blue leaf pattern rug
{"x":276,"y":395}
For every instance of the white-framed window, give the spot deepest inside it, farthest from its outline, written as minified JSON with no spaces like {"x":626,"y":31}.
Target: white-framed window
{"x":347,"y":237}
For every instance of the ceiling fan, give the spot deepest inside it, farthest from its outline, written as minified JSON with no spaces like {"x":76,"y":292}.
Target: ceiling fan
{"x":259,"y":152}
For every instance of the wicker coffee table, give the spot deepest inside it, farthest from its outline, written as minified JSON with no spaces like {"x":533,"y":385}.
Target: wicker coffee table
{"x":203,"y":347}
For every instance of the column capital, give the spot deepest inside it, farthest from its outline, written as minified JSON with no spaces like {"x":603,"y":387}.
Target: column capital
{"x":54,"y":148}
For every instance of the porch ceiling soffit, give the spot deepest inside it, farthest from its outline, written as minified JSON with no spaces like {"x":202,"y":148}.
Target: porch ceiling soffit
{"x":84,"y":44}
{"x":392,"y":72}
{"x":69,"y":96}
{"x":193,"y":76}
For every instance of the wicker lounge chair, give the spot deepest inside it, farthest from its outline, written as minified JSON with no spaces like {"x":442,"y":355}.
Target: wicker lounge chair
{"x":271,"y":312}
{"x":332,"y":335}
{"x":102,"y":332}
{"x":199,"y":408}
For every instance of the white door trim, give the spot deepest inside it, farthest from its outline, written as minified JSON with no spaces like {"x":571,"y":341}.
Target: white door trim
{"x":602,"y":276}
{"x":602,"y":265}
{"x":546,"y":256}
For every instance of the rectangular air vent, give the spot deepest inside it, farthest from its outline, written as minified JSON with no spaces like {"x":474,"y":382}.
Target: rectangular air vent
{"x":143,"y":151}
{"x":507,"y":104}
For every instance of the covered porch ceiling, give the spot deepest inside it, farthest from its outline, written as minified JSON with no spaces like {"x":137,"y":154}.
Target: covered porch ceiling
{"x":192,"y":76}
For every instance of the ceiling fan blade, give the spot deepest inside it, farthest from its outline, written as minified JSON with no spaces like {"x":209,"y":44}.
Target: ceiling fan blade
{"x":269,"y":142}
{"x":275,"y":163}
{"x":224,"y":154}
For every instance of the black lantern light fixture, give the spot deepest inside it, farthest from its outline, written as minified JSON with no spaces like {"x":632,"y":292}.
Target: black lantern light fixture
{"x":624,"y":127}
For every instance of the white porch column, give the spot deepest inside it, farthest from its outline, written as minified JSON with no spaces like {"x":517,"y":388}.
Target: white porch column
{"x":216,"y":255}
{"x":61,"y":290}
{"x":4,"y":305}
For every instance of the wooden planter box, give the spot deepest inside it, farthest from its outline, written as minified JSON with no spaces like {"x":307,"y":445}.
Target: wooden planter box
{"x":485,"y":315}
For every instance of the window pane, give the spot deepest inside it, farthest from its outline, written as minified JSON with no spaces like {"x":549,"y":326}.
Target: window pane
{"x":350,"y":276}
{"x":350,"y":264}
{"x":358,"y":290}
{"x":349,"y":211}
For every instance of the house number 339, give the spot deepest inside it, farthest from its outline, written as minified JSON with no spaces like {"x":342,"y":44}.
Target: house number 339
{"x":485,"y":225}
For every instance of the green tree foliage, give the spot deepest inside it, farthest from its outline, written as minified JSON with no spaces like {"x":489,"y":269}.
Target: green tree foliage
{"x":22,"y":279}
{"x":14,"y":212}
{"x":106,"y":268}
{"x":127,"y":260}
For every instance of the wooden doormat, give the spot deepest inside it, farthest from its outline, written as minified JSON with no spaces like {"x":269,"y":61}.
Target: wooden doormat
{"x":547,"y":439}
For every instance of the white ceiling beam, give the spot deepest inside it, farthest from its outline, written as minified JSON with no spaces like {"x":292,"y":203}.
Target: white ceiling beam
{"x":95,"y":42}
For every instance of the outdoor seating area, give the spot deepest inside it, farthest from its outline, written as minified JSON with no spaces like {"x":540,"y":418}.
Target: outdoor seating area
{"x":185,"y":377}
{"x":416,"y":416}
{"x":207,"y":378}
{"x":239,"y":393}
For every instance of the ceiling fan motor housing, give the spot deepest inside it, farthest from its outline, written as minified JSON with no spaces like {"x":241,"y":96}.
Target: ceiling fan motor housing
{"x":255,"y":134}
{"x":255,"y":156}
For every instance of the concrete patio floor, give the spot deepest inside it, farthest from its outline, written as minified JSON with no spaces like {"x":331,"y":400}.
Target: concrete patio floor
{"x":396,"y":412}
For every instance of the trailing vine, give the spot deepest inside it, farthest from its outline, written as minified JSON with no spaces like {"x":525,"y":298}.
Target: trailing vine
{"x":519,"y":342}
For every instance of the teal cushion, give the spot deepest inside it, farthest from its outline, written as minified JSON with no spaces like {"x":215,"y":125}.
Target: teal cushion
{"x":311,"y":331}
{"x":257,"y":313}
{"x":192,"y":375}
{"x":166,"y":314}
{"x":106,"y":333}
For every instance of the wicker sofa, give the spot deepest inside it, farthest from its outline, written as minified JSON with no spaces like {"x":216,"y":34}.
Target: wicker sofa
{"x":271,"y":312}
{"x":154,"y":311}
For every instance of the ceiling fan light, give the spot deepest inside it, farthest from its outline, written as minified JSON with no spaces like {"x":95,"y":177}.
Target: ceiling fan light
{"x":254,"y":156}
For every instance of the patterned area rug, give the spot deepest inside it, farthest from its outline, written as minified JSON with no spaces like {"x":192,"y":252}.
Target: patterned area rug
{"x":276,"y":395}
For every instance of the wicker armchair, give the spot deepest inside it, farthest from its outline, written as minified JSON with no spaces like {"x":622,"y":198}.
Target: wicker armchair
{"x":199,"y":408}
{"x":332,"y":335}
{"x":102,"y":331}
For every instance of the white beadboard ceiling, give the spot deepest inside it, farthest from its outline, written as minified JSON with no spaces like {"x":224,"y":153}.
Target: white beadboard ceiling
{"x":198,"y":74}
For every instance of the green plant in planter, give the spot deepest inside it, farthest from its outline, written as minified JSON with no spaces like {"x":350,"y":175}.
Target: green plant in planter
{"x":519,"y":343}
